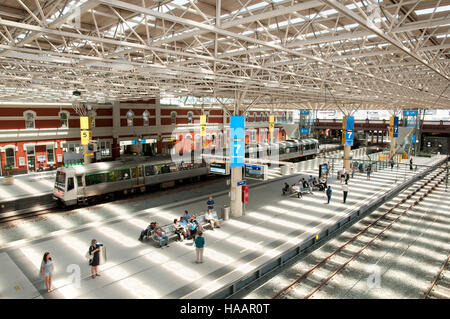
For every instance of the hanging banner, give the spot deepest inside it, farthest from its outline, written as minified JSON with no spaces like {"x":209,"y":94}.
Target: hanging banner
{"x":271,"y":123}
{"x":395,"y":127}
{"x":203,"y":125}
{"x":85,"y":124}
{"x":237,"y":141}
{"x":349,"y":127}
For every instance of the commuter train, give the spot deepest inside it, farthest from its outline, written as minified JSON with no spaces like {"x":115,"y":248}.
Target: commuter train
{"x":79,"y":184}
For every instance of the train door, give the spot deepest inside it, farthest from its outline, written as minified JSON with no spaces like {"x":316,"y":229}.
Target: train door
{"x":70,"y":196}
{"x":138,"y":173}
{"x":81,"y":195}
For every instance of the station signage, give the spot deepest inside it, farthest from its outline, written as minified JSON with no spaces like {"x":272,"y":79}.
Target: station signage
{"x":242,"y":183}
{"x":86,"y":136}
{"x":304,"y":112}
{"x":395,"y":132}
{"x":413,"y":139}
{"x":237,"y":141}
{"x":304,"y":130}
{"x":255,"y":171}
{"x":219,"y":167}
{"x":349,"y":130}
{"x":410,"y":112}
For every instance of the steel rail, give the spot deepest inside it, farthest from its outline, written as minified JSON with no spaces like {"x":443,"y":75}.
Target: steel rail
{"x":322,"y":262}
{"x":436,"y":280}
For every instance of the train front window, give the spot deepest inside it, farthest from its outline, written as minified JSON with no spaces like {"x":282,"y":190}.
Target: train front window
{"x":60,"y":182}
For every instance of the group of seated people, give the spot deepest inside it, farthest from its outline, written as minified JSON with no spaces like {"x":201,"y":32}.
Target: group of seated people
{"x":187,"y":228}
{"x":305,"y":185}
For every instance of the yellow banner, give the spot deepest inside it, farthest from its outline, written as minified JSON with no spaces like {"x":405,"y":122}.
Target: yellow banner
{"x":203,"y":131}
{"x":391,"y":127}
{"x":85,"y":124}
{"x":203,"y":127}
{"x":202,"y":119}
{"x":271,"y":123}
{"x":85,"y":137}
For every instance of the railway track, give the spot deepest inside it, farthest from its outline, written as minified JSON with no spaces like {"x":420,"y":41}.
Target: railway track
{"x":440,"y":287}
{"x":336,"y":261}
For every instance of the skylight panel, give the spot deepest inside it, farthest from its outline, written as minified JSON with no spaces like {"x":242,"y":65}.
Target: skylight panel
{"x":431,"y":10}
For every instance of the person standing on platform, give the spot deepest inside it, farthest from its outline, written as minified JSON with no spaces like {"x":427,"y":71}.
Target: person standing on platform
{"x":392,"y":164}
{"x":353,"y":170}
{"x":47,"y":269}
{"x":369,"y":170}
{"x":94,"y":251}
{"x":199,"y":245}
{"x":411,"y":164}
{"x":210,"y":203}
{"x":345,"y":191}
{"x":329,"y":192}
{"x":347,"y":177}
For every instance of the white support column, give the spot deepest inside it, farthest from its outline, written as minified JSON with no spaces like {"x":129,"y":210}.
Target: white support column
{"x":236,"y":192}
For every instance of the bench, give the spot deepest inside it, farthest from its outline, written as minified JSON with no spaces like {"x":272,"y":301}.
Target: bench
{"x":170,"y":230}
{"x":299,"y":191}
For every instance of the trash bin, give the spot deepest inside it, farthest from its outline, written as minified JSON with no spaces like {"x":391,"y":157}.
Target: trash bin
{"x":285,"y":170}
{"x":226,"y":212}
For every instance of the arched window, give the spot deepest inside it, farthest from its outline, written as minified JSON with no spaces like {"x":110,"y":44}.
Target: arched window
{"x":207,"y":117}
{"x":189,"y":117}
{"x":261,"y":117}
{"x":246,"y":117}
{"x":92,"y":115}
{"x":283,"y":117}
{"x":173,"y":118}
{"x":10,"y":154}
{"x":254,"y":117}
{"x":146,"y":117}
{"x":267,"y":117}
{"x":30,"y":118}
{"x":64,"y":119}
{"x":130,"y":118}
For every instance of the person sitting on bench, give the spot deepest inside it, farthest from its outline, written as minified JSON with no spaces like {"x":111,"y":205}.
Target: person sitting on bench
{"x":147,"y":231}
{"x":285,"y":189}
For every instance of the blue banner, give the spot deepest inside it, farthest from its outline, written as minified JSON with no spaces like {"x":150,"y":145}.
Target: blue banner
{"x":413,"y":140}
{"x":395,"y":132}
{"x":304,"y":130}
{"x":350,"y":125}
{"x":237,"y":141}
{"x":304,"y":112}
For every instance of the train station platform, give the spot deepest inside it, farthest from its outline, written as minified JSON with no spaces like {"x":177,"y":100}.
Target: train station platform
{"x":274,"y":229}
{"x":32,"y":190}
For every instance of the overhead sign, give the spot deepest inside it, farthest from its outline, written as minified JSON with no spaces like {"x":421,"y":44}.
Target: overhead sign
{"x":242,"y":183}
{"x":237,"y":141}
{"x":304,"y":130}
{"x":410,"y":112}
{"x":255,"y":171}
{"x":304,"y":112}
{"x":219,"y":167}
{"x":349,"y":127}
{"x":413,"y":139}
